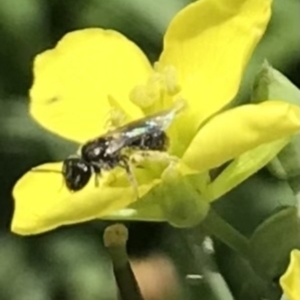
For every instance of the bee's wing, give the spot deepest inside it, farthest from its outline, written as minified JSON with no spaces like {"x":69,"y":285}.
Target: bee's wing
{"x":130,"y":132}
{"x":124,"y":139}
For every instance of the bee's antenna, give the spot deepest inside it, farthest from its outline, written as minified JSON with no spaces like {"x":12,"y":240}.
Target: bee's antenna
{"x":50,"y":171}
{"x":45,"y":170}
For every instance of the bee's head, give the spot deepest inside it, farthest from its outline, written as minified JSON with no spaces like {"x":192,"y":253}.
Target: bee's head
{"x":76,"y":172}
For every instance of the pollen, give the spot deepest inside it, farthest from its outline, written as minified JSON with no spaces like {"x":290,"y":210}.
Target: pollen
{"x":159,"y":90}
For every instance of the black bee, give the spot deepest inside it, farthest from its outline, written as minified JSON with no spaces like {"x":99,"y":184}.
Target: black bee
{"x":106,"y":152}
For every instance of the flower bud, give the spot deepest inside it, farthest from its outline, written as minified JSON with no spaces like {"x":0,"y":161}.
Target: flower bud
{"x":270,"y":84}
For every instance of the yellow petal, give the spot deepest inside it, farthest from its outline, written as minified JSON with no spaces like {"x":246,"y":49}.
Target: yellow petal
{"x":209,"y":43}
{"x":42,"y":201}
{"x":243,"y":167}
{"x":238,"y":130}
{"x":290,"y":281}
{"x":73,"y":81}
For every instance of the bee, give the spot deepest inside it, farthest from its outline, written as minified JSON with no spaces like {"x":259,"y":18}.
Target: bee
{"x":107,"y":151}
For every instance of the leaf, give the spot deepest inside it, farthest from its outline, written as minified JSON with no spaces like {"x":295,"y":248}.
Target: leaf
{"x":272,"y":242}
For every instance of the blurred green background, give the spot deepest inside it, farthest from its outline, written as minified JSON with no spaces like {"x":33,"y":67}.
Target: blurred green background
{"x":70,"y":263}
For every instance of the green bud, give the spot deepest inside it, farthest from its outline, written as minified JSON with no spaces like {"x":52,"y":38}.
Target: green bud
{"x":270,"y":84}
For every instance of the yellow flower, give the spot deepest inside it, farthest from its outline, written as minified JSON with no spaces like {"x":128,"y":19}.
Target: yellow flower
{"x":290,"y":280}
{"x":95,"y":73}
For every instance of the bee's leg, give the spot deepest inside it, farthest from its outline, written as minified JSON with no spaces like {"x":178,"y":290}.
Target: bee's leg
{"x":108,"y":125}
{"x":116,"y":116}
{"x":97,"y":171}
{"x":126,"y":164}
{"x":97,"y":180}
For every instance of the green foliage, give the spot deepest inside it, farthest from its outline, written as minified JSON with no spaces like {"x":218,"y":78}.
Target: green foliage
{"x":272,"y":242}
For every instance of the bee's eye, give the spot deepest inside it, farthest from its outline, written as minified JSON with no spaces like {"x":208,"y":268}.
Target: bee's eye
{"x":77,"y":173}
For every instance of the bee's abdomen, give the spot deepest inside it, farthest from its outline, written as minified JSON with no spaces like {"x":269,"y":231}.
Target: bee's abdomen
{"x":156,"y":141}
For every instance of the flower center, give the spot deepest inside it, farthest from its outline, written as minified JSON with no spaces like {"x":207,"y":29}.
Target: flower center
{"x":160,"y":91}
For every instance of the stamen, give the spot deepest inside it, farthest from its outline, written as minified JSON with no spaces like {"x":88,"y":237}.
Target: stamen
{"x":143,"y":97}
{"x":115,"y":238}
{"x":171,"y":81}
{"x":159,"y":90}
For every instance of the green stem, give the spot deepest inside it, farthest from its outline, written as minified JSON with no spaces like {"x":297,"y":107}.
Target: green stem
{"x":222,"y":230}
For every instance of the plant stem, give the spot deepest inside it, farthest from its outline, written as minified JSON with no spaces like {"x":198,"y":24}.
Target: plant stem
{"x":222,"y":230}
{"x":115,"y":238}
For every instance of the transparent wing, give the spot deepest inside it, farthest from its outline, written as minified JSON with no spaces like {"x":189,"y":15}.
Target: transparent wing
{"x":130,"y":132}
